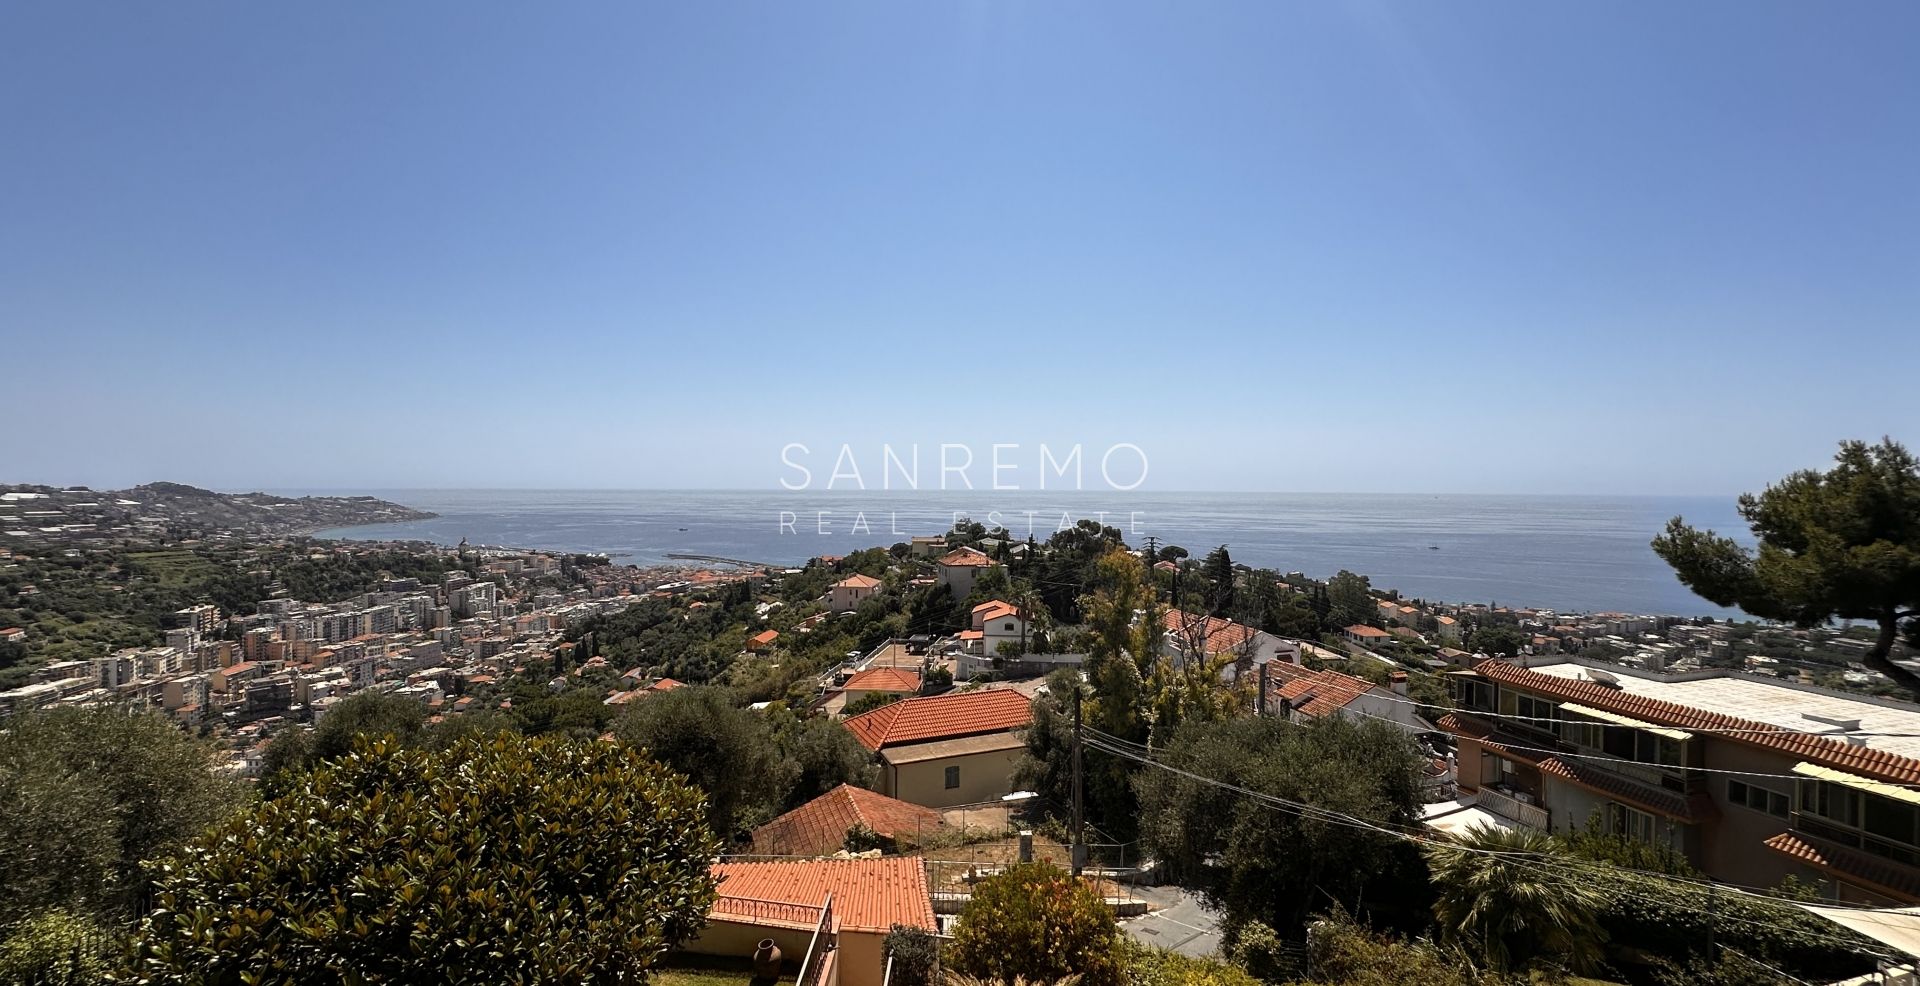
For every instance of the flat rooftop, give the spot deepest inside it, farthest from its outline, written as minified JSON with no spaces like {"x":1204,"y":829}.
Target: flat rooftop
{"x":1775,"y":703}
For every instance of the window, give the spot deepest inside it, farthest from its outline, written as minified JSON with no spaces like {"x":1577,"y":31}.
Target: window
{"x":1581,"y":733}
{"x":1838,"y":803}
{"x":1536,"y":714}
{"x":1888,"y":827}
{"x":1757,"y":798}
{"x":953,"y":778}
{"x":1473,"y":694}
{"x":1630,"y":823}
{"x":1007,"y":627}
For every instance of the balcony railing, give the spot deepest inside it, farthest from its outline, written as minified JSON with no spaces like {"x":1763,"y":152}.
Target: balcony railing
{"x":813,"y":967}
{"x":1820,"y":828}
{"x":755,"y":909}
{"x":1509,"y":807}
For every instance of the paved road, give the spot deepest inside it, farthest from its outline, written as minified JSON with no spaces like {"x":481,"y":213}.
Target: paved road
{"x":1177,"y":920}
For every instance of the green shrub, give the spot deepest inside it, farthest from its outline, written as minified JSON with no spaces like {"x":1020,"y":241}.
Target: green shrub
{"x":1038,"y":923}
{"x":1678,"y":923}
{"x":915,"y":953}
{"x":1255,"y":947}
{"x":869,"y":702}
{"x":55,"y":948}
{"x":1350,"y":955}
{"x":505,"y":859}
{"x":1147,"y":966}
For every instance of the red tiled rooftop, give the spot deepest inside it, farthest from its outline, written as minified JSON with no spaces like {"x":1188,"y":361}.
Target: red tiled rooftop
{"x":965,"y":558}
{"x":819,"y":827}
{"x":884,"y":680}
{"x":870,"y":895}
{"x":1360,"y":630}
{"x":1838,"y":754}
{"x":858,"y":582}
{"x":1885,"y":875}
{"x":1219,"y":636}
{"x":920,"y":720}
{"x":1314,"y":693}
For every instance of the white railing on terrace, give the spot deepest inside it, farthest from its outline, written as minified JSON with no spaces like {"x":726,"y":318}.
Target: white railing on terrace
{"x":1507,"y":806}
{"x":813,"y":967}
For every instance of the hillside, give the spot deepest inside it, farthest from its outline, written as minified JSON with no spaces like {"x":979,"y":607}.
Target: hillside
{"x":76,"y":513}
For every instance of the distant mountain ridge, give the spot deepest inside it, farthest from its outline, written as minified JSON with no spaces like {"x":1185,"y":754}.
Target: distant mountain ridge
{"x":77,"y":512}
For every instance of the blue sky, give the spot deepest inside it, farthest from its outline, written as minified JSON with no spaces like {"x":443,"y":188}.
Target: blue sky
{"x":1500,"y":247}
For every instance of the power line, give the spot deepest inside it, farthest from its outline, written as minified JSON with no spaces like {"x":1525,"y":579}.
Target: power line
{"x":1702,"y":730}
{"x":1611,"y":758}
{"x":1109,"y":744}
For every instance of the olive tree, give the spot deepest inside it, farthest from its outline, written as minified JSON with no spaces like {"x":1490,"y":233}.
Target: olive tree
{"x":86,"y":795}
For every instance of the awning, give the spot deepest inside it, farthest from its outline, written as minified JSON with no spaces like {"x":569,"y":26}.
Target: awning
{"x":1894,"y":791}
{"x":1895,"y":927}
{"x":1620,"y":720}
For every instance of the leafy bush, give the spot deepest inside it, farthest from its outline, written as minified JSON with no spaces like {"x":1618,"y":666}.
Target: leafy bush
{"x":1036,"y":922}
{"x":860,"y":838}
{"x":56,"y":948}
{"x":1146,"y":966}
{"x":1345,"y":953}
{"x":499,"y":860}
{"x":869,"y":702}
{"x":1257,"y":949}
{"x":1679,"y":923}
{"x":915,"y":953}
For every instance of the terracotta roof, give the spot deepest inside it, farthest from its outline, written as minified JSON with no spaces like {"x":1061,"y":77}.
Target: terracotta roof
{"x":964,"y":557}
{"x":1881,"y":875}
{"x":819,"y":827}
{"x":938,"y":717}
{"x":884,"y":680}
{"x":764,"y":638}
{"x":969,"y":635}
{"x":665,"y":685}
{"x":988,"y":612}
{"x":870,"y":895}
{"x":1679,"y":807}
{"x":1314,"y":693}
{"x":1838,"y":754}
{"x":1360,"y":630}
{"x":1220,"y":636}
{"x":858,"y":582}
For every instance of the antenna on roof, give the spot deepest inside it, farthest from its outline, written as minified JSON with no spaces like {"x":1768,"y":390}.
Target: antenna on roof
{"x":1602,"y":678}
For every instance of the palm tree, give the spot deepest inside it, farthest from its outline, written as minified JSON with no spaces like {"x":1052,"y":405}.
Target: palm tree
{"x":1514,"y":898}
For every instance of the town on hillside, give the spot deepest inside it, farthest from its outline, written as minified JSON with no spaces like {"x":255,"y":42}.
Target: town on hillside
{"x":1239,"y":768}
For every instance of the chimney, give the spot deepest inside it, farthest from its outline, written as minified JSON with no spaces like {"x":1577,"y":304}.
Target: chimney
{"x":1399,"y":679}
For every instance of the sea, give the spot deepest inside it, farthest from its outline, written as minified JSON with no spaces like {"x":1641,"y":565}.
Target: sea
{"x":1570,"y":554}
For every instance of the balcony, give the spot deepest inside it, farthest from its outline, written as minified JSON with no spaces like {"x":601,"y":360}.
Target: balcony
{"x":1511,"y":808}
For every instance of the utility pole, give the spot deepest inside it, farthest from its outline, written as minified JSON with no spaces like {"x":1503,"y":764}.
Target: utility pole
{"x":1079,"y":820}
